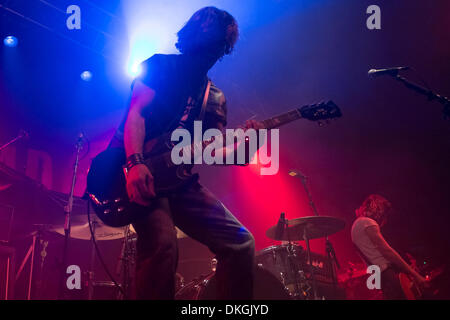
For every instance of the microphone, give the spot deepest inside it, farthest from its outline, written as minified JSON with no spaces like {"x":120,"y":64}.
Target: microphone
{"x":297,"y":173}
{"x":389,"y":71}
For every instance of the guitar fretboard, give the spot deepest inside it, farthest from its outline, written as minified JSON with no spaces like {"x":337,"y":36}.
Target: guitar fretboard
{"x":282,"y":119}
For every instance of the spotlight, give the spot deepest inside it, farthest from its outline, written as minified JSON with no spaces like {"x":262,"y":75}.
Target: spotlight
{"x":86,"y":75}
{"x":134,"y":70}
{"x":10,"y":41}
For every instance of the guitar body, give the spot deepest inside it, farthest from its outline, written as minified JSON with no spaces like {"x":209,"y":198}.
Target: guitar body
{"x":410,"y":289}
{"x":106,"y":180}
{"x":106,"y":185}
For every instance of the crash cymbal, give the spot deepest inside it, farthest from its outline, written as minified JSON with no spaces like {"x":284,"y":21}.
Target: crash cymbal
{"x":314,"y":227}
{"x":102,"y":232}
{"x":80,"y":229}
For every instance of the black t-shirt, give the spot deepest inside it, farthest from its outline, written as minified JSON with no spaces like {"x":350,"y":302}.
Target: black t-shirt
{"x":178,"y":98}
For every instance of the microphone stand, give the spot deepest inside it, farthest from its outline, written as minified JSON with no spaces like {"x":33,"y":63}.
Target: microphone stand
{"x":21,"y":135}
{"x":303,"y":179}
{"x":68,"y":212}
{"x":329,"y":247}
{"x":428,"y":93}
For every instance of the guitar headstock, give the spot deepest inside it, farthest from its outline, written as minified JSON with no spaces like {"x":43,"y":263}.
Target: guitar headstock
{"x":320,"y":111}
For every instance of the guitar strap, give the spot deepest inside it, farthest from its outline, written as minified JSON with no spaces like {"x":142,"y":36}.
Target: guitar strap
{"x":201,"y":114}
{"x":205,"y":101}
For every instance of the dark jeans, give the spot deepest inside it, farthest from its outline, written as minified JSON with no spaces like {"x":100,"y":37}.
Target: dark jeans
{"x":390,"y":285}
{"x":198,"y":213}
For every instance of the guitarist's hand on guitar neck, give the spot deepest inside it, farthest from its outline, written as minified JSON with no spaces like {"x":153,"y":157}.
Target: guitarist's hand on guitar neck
{"x":140,"y":186}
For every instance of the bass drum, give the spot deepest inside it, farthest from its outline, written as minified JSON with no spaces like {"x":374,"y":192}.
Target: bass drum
{"x":266,"y":287}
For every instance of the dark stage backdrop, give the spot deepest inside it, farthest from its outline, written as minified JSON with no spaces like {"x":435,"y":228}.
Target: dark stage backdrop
{"x":389,"y":141}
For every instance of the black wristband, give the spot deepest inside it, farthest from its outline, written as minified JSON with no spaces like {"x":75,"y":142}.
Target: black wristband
{"x":133,"y":160}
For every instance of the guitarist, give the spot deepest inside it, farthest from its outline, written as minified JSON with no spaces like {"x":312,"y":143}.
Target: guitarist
{"x":374,"y":249}
{"x":168,"y":95}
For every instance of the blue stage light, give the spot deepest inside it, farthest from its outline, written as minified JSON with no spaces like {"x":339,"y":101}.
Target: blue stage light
{"x":86,"y":75}
{"x":10,"y":41}
{"x":134,"y":70}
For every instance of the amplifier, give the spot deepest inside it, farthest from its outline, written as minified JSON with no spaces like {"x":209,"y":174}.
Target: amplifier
{"x":323,"y":270}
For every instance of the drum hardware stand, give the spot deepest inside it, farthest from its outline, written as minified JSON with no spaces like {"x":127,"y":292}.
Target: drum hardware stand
{"x":283,"y":225}
{"x":311,"y":267}
{"x":329,"y":247}
{"x":291,"y":256}
{"x":303,"y":179}
{"x":68,"y":212}
{"x":30,"y":255}
{"x":298,"y":274}
{"x":90,"y":273}
{"x":37,"y":245}
{"x":124,"y":265}
{"x":331,"y":254}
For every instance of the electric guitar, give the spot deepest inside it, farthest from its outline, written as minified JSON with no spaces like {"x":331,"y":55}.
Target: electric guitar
{"x":412,"y":291}
{"x":106,"y":180}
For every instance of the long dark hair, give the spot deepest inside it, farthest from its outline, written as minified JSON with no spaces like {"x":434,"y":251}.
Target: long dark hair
{"x":209,"y":29}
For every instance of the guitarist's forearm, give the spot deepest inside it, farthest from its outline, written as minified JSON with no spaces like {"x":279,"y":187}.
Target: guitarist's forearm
{"x":134,"y":133}
{"x":391,"y":255}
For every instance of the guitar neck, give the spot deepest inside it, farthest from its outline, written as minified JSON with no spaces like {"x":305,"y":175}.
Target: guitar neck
{"x":270,"y":123}
{"x":315,"y":112}
{"x":282,"y":119}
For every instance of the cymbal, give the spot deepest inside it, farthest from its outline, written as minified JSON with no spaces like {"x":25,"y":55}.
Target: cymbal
{"x":102,"y":232}
{"x":80,"y":230}
{"x":314,"y":227}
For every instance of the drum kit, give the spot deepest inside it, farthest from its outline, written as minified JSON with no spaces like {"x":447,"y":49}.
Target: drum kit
{"x":285,"y":271}
{"x":282,"y":272}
